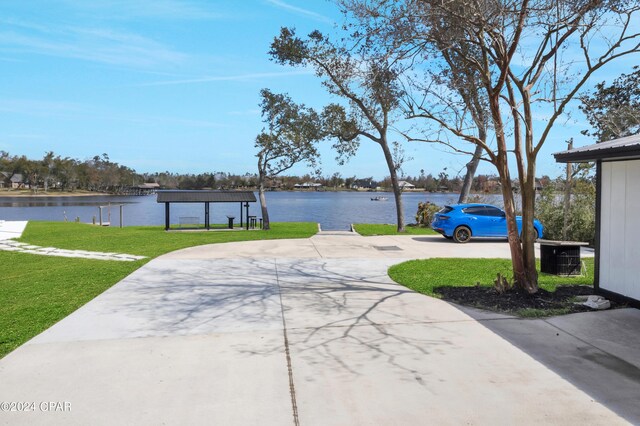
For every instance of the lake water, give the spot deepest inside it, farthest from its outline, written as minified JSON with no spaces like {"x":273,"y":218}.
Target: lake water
{"x":333,"y":210}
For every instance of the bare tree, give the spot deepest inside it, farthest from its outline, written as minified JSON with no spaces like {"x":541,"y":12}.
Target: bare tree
{"x":368,"y":81}
{"x":531,"y":56}
{"x":291,"y":136}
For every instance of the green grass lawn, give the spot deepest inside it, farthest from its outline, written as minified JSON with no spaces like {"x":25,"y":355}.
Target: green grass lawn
{"x":369,"y":229}
{"x":38,"y":291}
{"x":424,"y":276}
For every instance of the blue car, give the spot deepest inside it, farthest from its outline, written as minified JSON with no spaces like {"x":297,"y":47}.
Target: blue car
{"x":461,"y":222}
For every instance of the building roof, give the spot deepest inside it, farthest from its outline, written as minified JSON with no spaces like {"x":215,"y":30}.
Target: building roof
{"x":11,"y":177}
{"x":617,"y":149}
{"x":17,"y":178}
{"x":148,"y":185}
{"x":183,"y":196}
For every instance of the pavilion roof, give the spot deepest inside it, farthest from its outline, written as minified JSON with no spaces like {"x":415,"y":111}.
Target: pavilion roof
{"x":202,"y":196}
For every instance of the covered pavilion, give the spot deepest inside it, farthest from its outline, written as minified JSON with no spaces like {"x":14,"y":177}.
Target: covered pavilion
{"x":206,"y":197}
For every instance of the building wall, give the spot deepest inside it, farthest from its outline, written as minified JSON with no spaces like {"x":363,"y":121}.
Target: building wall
{"x":620,"y":228}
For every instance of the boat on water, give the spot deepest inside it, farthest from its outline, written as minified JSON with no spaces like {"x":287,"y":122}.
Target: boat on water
{"x":379,"y":198}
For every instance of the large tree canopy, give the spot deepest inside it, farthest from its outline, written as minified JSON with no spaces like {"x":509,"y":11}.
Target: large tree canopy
{"x":614,"y":110}
{"x":367,"y":80}
{"x":523,"y":58}
{"x":290,"y":137}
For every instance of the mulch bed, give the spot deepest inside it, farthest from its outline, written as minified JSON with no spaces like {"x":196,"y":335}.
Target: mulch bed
{"x":513,"y":300}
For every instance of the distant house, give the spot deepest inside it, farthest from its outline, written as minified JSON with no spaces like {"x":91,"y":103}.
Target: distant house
{"x":5,"y":182}
{"x":273,"y":185}
{"x":11,"y":180}
{"x":308,"y":185}
{"x":403,"y":184}
{"x":146,"y":188}
{"x":363,"y":184}
{"x":490,"y":186}
{"x":617,"y":204}
{"x":17,"y":181}
{"x":149,"y":185}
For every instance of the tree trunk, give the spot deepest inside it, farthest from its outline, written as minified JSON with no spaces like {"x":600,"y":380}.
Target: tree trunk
{"x":524,"y":278}
{"x":472,"y":166}
{"x":263,"y":203}
{"x":397,"y":191}
{"x":528,"y":193}
{"x":521,"y":274}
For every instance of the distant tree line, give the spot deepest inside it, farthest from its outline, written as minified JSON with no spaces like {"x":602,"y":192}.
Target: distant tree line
{"x":440,"y":182}
{"x":100,"y":174}
{"x":66,"y":174}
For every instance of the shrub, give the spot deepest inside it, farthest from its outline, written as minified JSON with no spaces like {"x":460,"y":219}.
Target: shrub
{"x":581,"y":214}
{"x":425,"y":213}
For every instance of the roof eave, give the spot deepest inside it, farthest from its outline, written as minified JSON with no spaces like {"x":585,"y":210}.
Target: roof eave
{"x":613,"y":154}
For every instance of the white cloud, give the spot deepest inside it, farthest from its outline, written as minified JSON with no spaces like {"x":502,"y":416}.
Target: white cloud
{"x":61,"y":109}
{"x":159,"y":9}
{"x":40,"y":108}
{"x":300,"y":11}
{"x":90,"y":44}
{"x":162,"y":121}
{"x":237,"y":77}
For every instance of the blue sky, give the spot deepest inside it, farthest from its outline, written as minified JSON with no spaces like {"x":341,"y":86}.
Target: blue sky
{"x":172,"y":85}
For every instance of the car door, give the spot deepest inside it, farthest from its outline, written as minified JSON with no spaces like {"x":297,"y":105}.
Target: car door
{"x":497,"y":221}
{"x":478,"y":221}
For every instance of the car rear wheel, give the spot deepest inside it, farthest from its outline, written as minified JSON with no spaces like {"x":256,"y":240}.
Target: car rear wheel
{"x":462,"y":234}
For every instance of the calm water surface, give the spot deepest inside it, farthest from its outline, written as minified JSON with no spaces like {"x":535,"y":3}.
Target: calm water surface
{"x":333,"y":210}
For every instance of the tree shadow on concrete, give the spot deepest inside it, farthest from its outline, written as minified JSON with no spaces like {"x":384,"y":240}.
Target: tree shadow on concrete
{"x":339,"y":314}
{"x":576,"y":347}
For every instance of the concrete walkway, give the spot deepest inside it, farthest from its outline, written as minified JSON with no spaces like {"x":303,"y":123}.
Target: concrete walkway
{"x":346,"y":245}
{"x":19,"y":247}
{"x":313,"y":332}
{"x":12,"y":229}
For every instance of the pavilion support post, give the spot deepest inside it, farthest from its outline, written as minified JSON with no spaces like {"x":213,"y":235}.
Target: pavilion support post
{"x":166,"y":216}
{"x":246,"y":206}
{"x":206,"y":216}
{"x":241,"y":224}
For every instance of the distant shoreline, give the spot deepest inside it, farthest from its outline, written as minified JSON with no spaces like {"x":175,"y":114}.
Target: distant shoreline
{"x":12,"y":194}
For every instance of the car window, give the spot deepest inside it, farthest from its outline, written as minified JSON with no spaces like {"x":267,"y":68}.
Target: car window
{"x":494,"y":211}
{"x":478,"y":210}
{"x":445,"y":209}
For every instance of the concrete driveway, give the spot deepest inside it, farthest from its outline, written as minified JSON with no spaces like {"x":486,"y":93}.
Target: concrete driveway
{"x":313,"y":332}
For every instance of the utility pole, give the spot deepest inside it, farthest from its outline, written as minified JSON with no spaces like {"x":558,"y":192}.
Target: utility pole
{"x":567,"y":195}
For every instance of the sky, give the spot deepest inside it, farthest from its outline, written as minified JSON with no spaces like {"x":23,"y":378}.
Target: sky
{"x":169,"y":85}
